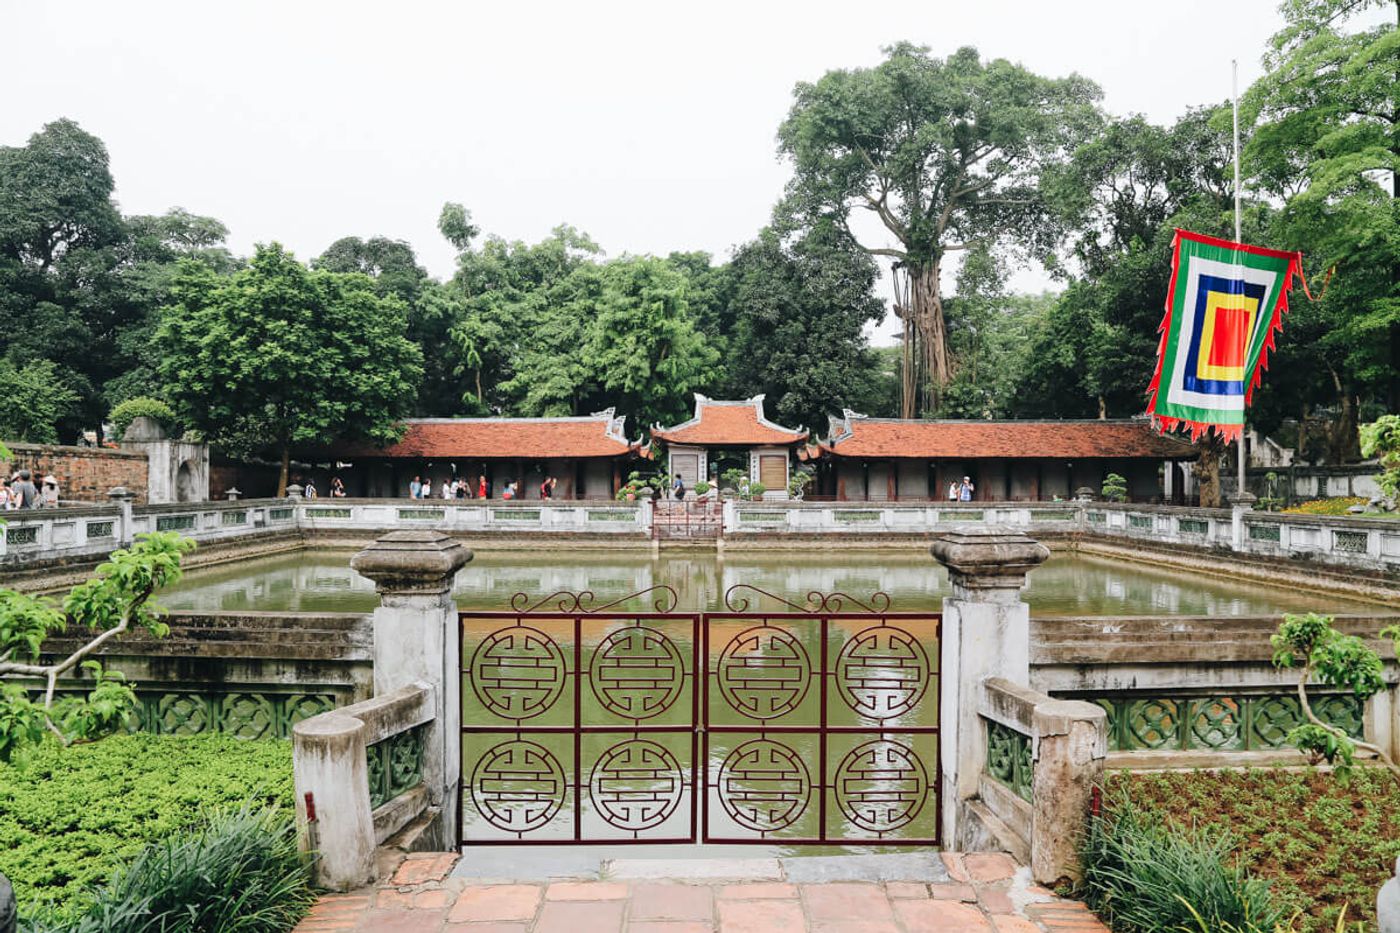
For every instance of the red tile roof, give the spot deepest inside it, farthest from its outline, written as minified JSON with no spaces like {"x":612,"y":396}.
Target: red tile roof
{"x":599,"y":435}
{"x":738,"y":423}
{"x":857,"y":436}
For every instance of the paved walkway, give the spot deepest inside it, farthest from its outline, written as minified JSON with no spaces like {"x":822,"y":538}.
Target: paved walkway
{"x":982,"y":892}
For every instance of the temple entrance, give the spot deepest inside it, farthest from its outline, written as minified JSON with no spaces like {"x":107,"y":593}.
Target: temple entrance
{"x":632,"y":722}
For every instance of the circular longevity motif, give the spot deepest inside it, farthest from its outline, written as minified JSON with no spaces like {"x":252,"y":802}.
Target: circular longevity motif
{"x":518,"y":786}
{"x":636,"y":785}
{"x":637,"y":672}
{"x":882,"y":672}
{"x":764,"y":785}
{"x":518,"y":672}
{"x":764,"y":672}
{"x":881,"y":786}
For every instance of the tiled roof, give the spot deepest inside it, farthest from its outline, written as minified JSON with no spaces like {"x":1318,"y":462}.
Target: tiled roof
{"x":857,"y":436}
{"x":599,"y":435}
{"x":739,"y":423}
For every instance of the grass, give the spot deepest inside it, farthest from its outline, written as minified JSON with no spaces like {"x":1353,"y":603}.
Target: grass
{"x":1321,"y":844}
{"x":1338,"y":508}
{"x":70,"y":817}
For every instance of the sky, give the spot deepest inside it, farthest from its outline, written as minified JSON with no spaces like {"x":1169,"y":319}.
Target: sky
{"x":651,"y":126}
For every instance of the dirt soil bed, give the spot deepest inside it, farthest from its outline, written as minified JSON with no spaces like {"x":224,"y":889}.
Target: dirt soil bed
{"x":1321,"y":842}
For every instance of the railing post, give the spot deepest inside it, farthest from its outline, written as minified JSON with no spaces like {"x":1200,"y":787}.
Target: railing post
{"x":1071,"y":739}
{"x":1241,"y":504}
{"x":1388,"y":904}
{"x":126,"y":520}
{"x":985,"y":633}
{"x":416,"y":643}
{"x":331,"y":777}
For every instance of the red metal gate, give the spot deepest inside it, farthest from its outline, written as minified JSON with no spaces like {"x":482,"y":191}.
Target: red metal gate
{"x":800,"y":724}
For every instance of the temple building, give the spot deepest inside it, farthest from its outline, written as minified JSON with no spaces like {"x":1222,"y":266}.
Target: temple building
{"x":589,"y":456}
{"x":880,"y":459}
{"x":731,"y":435}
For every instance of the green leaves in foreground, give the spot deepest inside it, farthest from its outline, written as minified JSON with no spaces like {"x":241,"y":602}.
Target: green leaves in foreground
{"x":241,"y":873}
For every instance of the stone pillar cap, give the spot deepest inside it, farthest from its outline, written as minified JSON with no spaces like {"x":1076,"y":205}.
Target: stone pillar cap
{"x":412,"y":561}
{"x":120,"y":492}
{"x":991,"y":552}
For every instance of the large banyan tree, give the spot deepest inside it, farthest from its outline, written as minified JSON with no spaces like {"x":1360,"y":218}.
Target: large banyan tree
{"x":949,"y":154}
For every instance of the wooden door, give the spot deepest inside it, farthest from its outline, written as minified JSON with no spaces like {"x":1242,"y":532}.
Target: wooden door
{"x":687,"y":466}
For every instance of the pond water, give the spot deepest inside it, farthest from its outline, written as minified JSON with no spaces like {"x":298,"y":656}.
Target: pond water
{"x":1068,"y":584}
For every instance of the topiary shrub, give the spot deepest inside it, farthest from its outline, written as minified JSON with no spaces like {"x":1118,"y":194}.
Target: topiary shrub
{"x":1115,"y":488}
{"x":126,"y":412}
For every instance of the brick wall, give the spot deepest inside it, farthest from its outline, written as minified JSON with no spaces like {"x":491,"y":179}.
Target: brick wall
{"x":84,"y":474}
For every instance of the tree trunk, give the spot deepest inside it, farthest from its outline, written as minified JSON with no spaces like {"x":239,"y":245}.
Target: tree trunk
{"x":286,"y":469}
{"x":478,"y":386}
{"x":1209,"y":448}
{"x":926,"y":309}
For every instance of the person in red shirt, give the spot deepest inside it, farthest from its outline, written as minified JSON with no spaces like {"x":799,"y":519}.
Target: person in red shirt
{"x":481,"y":487}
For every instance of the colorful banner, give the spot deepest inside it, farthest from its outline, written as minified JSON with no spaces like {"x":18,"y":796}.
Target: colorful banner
{"x":1224,"y":305}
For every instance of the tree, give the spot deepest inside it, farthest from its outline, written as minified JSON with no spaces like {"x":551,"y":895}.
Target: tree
{"x":34,"y":398}
{"x":946,"y":153}
{"x":1324,"y":140}
{"x":115,"y":601}
{"x":278,"y":354}
{"x":800,"y":308}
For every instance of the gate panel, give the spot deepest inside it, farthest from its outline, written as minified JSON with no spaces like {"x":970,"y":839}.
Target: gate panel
{"x":821,"y":727}
{"x":578,"y":725}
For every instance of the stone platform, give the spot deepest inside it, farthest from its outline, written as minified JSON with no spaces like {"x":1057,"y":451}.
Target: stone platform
{"x":431,"y":893}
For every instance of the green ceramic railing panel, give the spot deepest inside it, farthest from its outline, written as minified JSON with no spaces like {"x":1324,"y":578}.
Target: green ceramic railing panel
{"x":1226,"y":722}
{"x":99,"y":530}
{"x":516,"y":515}
{"x":1192,"y":526}
{"x":233,"y":518}
{"x":1141,"y":522}
{"x":612,"y":515}
{"x":1264,"y":533}
{"x":328,"y":513}
{"x":422,"y":515}
{"x":279,"y":515}
{"x":394,"y":765}
{"x":1350,"y":542}
{"x":1096,"y":518}
{"x":1009,"y":758}
{"x":962,"y":515}
{"x":842,"y":515}
{"x":1052,"y":515}
{"x":28,"y":535}
{"x":174,"y":522}
{"x":762,"y":517}
{"x":246,"y":715}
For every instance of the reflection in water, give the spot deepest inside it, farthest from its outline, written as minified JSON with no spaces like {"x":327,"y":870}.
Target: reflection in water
{"x":1065,"y":585}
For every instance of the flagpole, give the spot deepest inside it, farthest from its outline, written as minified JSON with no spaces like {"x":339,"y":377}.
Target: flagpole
{"x":1235,"y":99}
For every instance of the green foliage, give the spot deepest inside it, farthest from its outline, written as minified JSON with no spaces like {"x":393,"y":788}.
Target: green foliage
{"x":1310,"y":644}
{"x":286,"y":355}
{"x":735,"y":479}
{"x":799,"y":480}
{"x":1324,"y":846}
{"x":702,"y":487}
{"x":1143,"y":876}
{"x":754,"y":491}
{"x":70,"y":817}
{"x":241,"y":873}
{"x":116,"y":599}
{"x":141,"y":406}
{"x":1381,"y":439}
{"x":34,"y":398}
{"x":1115,"y":487}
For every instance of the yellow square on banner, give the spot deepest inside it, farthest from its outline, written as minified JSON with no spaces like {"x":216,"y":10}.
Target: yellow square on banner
{"x":1225,"y":334}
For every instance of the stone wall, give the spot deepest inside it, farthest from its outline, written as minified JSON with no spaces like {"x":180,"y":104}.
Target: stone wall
{"x":84,"y":474}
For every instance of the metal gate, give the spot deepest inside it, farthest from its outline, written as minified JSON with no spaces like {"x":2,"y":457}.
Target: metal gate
{"x":804,"y":724}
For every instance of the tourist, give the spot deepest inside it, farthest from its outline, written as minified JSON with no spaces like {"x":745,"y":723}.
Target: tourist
{"x":481,"y":487}
{"x":50,"y":493}
{"x":446,"y":489}
{"x":7,"y":499}
{"x":546,"y":488}
{"x":310,"y":490}
{"x":509,"y":492}
{"x":337,"y":488}
{"x":553,"y":481}
{"x":415,"y":488}
{"x":953,"y":491}
{"x":678,"y":487}
{"x":464,"y":489}
{"x":965,"y":490}
{"x":25,"y":490}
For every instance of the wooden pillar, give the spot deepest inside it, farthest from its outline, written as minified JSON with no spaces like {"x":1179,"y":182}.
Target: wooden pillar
{"x":892,"y":481}
{"x":616,"y":476}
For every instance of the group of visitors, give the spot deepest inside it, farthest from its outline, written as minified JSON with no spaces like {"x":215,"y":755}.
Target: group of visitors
{"x":456,"y":488}
{"x":337,"y":489}
{"x":961,"y":492}
{"x":20,"y":492}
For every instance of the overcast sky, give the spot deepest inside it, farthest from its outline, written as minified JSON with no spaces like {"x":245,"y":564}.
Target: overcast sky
{"x":649,"y":125}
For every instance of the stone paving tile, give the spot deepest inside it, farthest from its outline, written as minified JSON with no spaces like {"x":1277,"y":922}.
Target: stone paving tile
{"x":942,"y":916}
{"x":669,"y":926}
{"x":906,"y":889}
{"x":585,"y":891}
{"x":578,"y":916}
{"x":844,"y":901}
{"x":487,"y":928}
{"x":760,"y":916}
{"x":662,"y":901}
{"x":989,"y":866}
{"x":953,"y":892}
{"x":758,"y":891}
{"x":418,"y":868}
{"x":402,"y":921}
{"x":496,"y":902}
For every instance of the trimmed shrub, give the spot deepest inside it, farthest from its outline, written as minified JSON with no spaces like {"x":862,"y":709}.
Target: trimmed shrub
{"x":70,"y":817}
{"x":1143,"y":876}
{"x":126,"y":412}
{"x":241,"y":873}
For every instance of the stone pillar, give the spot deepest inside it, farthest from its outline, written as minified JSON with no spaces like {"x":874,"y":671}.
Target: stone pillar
{"x":294,"y":491}
{"x":1071,"y":746}
{"x":233,"y":494}
{"x":1241,"y":504}
{"x":124,"y":532}
{"x":332,"y":798}
{"x":985,"y":633}
{"x":415,"y":642}
{"x":1388,"y":904}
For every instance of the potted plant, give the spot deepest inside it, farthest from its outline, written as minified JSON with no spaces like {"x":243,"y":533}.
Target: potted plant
{"x":797,"y":485}
{"x":702,"y":489}
{"x":755,"y":491}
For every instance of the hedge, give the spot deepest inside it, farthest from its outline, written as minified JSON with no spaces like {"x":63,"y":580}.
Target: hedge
{"x":69,"y":817}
